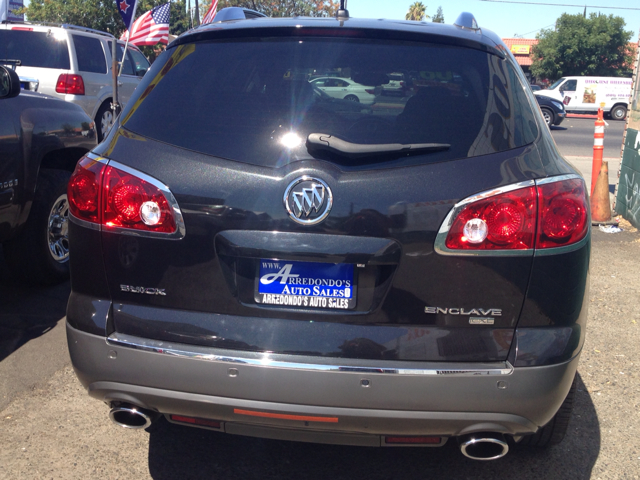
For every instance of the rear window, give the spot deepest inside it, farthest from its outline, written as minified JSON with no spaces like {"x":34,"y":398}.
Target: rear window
{"x":35,"y":49}
{"x":257,"y":101}
{"x":90,"y":54}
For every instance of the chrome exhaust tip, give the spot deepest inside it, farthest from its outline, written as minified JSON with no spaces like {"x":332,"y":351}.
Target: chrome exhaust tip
{"x":484,"y":446}
{"x":130,"y":416}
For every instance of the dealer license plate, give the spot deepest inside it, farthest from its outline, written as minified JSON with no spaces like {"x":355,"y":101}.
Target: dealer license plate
{"x":305,"y":284}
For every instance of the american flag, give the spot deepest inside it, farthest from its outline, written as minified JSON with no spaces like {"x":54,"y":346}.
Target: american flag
{"x":211,"y":13}
{"x":151,"y":28}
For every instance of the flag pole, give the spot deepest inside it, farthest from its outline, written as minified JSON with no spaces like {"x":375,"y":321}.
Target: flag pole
{"x":126,"y":44}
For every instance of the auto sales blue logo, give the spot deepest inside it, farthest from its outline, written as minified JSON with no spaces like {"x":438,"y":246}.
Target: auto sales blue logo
{"x":306,"y":279}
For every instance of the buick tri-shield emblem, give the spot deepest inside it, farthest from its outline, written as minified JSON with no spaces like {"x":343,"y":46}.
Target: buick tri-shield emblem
{"x":308,"y":200}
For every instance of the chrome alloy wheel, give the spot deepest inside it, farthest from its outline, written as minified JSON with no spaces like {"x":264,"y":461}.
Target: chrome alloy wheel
{"x":58,"y":229}
{"x":106,"y":121}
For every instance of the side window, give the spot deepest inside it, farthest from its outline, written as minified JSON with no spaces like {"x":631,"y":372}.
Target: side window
{"x":89,"y":54}
{"x":569,"y":86}
{"x":342,"y":83}
{"x":318,"y":83}
{"x":127,"y":66}
{"x":140,"y":62}
{"x":331,"y":83}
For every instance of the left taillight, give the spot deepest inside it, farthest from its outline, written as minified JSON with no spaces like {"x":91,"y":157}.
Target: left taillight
{"x":546,"y":214}
{"x":120,"y":198}
{"x":70,"y":83}
{"x":83,"y":190}
{"x":501,"y":222}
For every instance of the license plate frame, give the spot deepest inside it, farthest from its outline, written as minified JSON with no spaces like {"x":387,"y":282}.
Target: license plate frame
{"x":309,"y":285}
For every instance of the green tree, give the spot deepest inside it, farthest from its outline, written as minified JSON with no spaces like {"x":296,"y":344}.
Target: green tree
{"x":282,"y":8}
{"x":417,"y":12}
{"x":100,"y":14}
{"x":598,"y":45}
{"x":179,"y":21}
{"x":439,"y":16}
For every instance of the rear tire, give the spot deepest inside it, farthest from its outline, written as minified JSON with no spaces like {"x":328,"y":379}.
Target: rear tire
{"x":548,"y":115}
{"x":352,"y":98}
{"x":554,"y":431}
{"x":40,"y":253}
{"x":619,"y":112}
{"x":104,"y":120}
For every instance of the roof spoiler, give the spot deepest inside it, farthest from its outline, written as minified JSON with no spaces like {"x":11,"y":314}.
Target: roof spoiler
{"x":466,"y":21}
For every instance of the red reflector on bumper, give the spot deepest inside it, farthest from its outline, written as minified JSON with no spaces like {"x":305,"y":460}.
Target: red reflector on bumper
{"x":413,"y":440}
{"x":196,"y":421}
{"x":282,"y":416}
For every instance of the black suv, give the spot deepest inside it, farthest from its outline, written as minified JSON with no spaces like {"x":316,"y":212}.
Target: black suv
{"x":251,"y":257}
{"x":41,"y":140}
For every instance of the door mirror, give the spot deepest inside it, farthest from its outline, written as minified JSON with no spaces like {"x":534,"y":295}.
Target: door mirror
{"x":9,"y":83}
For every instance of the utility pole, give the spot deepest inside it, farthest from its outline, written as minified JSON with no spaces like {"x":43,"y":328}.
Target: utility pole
{"x":197,"y":16}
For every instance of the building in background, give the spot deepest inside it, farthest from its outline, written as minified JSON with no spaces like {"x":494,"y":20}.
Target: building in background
{"x":6,"y":10}
{"x":521,"y":49}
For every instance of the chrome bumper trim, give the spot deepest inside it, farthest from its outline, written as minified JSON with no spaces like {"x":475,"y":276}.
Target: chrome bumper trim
{"x":270,"y":360}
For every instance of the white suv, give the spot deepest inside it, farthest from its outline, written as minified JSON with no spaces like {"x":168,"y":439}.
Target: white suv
{"x":74,"y":64}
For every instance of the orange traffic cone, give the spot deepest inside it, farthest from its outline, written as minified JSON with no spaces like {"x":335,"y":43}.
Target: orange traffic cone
{"x":600,"y":206}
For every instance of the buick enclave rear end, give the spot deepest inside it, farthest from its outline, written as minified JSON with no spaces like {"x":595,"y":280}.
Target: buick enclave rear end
{"x":251,"y":256}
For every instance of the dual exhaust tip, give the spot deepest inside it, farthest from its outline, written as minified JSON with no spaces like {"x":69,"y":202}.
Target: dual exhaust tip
{"x":477,"y":446}
{"x":483,"y":446}
{"x":130,"y":416}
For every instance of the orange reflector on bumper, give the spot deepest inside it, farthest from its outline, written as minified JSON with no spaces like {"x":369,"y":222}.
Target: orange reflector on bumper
{"x":282,"y":416}
{"x":413,"y":440}
{"x":196,"y":421}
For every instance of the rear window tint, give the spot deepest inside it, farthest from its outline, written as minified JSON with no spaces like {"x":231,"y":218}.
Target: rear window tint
{"x":257,"y":101}
{"x":35,"y":49}
{"x":90,"y":54}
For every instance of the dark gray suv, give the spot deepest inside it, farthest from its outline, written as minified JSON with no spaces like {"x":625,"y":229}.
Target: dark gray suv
{"x":252,"y":256}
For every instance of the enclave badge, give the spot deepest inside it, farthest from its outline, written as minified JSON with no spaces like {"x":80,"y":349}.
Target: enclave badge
{"x":308,"y":200}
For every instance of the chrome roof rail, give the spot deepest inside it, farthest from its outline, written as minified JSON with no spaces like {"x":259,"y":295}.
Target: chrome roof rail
{"x":85,"y":29}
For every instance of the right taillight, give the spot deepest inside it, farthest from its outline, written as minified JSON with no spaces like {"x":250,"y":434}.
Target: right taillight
{"x":545,"y":214}
{"x":563,"y":216}
{"x":119,"y":198}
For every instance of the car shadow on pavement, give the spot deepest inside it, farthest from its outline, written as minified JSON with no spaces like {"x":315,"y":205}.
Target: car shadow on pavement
{"x":183,"y":452}
{"x":27,"y":312}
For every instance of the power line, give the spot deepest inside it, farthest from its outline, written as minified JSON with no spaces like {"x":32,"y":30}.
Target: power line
{"x":560,"y":4}
{"x":533,"y":31}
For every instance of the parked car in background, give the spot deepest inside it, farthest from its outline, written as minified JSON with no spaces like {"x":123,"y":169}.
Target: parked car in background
{"x":345,"y":89}
{"x":396,"y":85}
{"x":585,"y":94}
{"x":74,"y":64}
{"x":272,"y":264}
{"x":41,"y":139}
{"x":552,"y":110}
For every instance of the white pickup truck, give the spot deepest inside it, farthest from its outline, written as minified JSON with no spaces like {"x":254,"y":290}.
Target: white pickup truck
{"x":585,"y":94}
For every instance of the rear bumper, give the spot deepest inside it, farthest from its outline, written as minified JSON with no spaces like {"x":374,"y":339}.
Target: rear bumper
{"x":364,"y":400}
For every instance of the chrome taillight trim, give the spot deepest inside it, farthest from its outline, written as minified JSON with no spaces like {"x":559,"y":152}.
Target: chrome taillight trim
{"x":269,"y":360}
{"x":440,"y":246}
{"x":180,"y":226}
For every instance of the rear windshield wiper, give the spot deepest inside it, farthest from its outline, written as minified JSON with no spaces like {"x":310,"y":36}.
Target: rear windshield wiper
{"x":333,"y":144}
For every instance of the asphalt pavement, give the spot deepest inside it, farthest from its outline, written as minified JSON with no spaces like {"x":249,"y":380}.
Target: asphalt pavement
{"x":50,"y":428}
{"x":574,"y":138}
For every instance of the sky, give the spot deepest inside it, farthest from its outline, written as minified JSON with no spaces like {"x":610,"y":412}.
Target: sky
{"x":505,"y":19}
